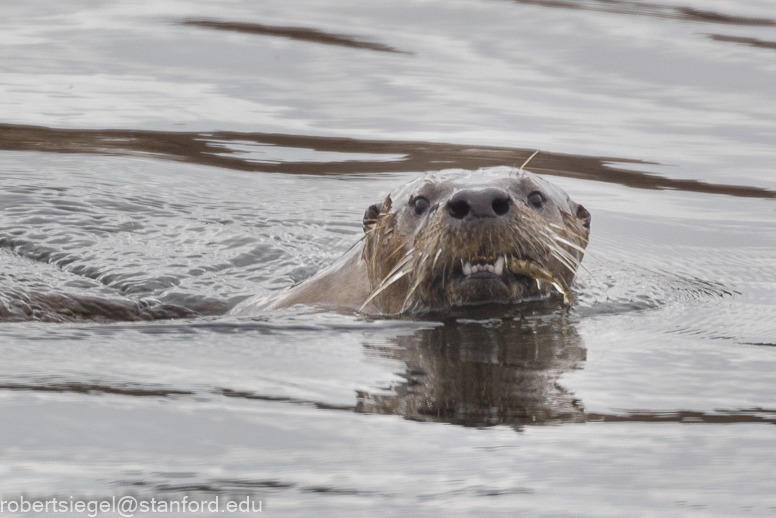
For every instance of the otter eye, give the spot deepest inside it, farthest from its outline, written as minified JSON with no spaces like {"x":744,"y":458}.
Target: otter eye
{"x":536,"y":200}
{"x":420,"y":205}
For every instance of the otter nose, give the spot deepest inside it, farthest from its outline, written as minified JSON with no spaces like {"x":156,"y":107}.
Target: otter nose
{"x":486,"y":203}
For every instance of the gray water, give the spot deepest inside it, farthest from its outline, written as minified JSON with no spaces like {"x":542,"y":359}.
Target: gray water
{"x":163,"y":162}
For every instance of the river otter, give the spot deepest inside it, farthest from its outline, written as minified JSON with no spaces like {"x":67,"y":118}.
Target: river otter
{"x":453,"y":238}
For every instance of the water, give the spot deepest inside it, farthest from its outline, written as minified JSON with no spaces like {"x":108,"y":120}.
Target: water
{"x":162,"y":163}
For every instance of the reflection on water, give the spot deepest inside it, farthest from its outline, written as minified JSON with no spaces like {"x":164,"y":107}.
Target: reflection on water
{"x":506,"y":371}
{"x":752,"y":42}
{"x":228,"y":149}
{"x":83,"y":388}
{"x":485,"y":373}
{"x":294,"y":33}
{"x":689,"y":14}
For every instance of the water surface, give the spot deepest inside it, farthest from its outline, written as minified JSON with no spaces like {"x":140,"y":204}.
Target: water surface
{"x":162,"y":164}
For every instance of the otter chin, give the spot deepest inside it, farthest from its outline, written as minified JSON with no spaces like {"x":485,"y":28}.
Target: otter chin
{"x":454,"y":238}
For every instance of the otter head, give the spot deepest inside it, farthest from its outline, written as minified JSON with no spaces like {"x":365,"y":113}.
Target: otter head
{"x":455,"y":237}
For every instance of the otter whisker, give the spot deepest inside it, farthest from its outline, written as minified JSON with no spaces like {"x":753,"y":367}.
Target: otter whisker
{"x":576,"y":261}
{"x":554,"y":247}
{"x":398,"y":266}
{"x":588,"y":272}
{"x":579,"y":265}
{"x":559,"y":239}
{"x":565,"y":259}
{"x":576,"y":247}
{"x":439,"y":252}
{"x":423,"y":257}
{"x":565,"y":230}
{"x":520,"y":249}
{"x":419,"y":278}
{"x":401,"y":246}
{"x":556,"y":237}
{"x":390,"y":278}
{"x":529,"y":159}
{"x":410,"y":293}
{"x":407,"y":258}
{"x":559,"y":255}
{"x":586,"y":285}
{"x":383,"y":287}
{"x":379,"y":219}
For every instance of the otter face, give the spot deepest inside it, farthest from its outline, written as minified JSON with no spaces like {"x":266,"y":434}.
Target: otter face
{"x":457,"y":237}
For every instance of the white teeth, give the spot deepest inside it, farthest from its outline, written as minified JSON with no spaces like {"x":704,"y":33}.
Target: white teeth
{"x":498,"y":269}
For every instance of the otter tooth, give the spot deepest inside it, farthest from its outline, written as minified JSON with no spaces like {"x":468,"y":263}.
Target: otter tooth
{"x":489,"y":267}
{"x":498,"y":269}
{"x":475,"y":268}
{"x":467,"y":269}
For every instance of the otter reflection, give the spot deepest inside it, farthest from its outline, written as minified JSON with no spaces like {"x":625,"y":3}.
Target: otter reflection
{"x":485,"y":373}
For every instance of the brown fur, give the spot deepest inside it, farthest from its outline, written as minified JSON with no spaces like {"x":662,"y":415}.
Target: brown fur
{"x":411,"y":262}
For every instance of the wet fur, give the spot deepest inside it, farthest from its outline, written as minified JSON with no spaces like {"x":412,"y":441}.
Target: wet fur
{"x":407,"y":263}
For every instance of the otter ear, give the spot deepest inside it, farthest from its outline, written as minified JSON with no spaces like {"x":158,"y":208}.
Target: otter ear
{"x":373,"y":213}
{"x":583,"y":216}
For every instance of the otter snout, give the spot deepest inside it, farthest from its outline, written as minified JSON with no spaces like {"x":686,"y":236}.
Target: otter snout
{"x":485,"y":203}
